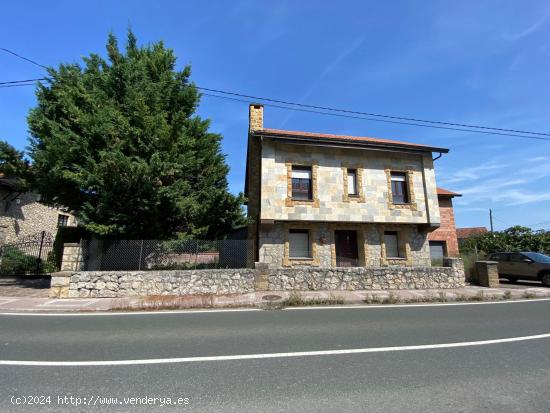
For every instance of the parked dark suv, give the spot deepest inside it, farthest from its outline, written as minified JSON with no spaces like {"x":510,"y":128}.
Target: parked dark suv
{"x":523,"y":265}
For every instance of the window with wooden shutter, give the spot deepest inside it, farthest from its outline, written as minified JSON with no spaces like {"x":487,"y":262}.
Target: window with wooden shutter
{"x":298,"y":240}
{"x":392,"y":244}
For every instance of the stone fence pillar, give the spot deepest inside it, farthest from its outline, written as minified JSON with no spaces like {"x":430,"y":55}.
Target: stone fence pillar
{"x":453,"y":262}
{"x":487,"y":273}
{"x":72,"y":257}
{"x":261,"y":276}
{"x":59,"y":285}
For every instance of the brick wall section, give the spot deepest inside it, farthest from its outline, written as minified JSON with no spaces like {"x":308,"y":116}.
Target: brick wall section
{"x":447,"y":231}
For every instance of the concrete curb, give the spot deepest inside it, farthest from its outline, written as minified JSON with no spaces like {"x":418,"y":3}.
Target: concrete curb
{"x":268,"y":300}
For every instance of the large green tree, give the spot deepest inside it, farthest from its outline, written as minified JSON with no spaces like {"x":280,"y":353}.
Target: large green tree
{"x":117,"y":141}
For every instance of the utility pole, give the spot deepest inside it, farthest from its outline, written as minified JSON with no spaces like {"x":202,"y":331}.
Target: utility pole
{"x":491,"y":218}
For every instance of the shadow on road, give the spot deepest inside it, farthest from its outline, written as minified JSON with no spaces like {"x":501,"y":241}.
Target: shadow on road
{"x":521,"y":284}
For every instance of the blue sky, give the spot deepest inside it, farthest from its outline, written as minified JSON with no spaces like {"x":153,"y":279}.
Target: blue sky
{"x":473,"y":62}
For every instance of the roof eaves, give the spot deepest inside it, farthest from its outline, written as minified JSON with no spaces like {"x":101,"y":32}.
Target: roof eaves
{"x":343,"y":141}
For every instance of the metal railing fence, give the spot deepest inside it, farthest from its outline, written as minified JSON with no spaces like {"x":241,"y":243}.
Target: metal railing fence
{"x":142,"y":255}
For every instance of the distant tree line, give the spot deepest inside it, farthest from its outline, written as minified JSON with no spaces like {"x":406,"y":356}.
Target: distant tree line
{"x":516,"y":238}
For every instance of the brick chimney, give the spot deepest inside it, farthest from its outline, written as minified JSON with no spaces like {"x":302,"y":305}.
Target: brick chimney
{"x":255,"y":117}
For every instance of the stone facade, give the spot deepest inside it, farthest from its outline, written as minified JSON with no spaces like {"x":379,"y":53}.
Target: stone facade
{"x":273,"y":248}
{"x":329,"y":203}
{"x":21,"y":214}
{"x":447,"y":230}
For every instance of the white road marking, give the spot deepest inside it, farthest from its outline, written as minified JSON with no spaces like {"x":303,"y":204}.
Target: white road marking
{"x":137,"y":312}
{"x":235,"y":310}
{"x":334,"y":307}
{"x":267,"y":355}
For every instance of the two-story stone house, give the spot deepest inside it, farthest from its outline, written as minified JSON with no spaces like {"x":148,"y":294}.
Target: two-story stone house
{"x":321,"y":200}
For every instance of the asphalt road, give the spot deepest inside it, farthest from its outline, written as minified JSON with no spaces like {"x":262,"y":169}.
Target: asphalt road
{"x":502,"y":376}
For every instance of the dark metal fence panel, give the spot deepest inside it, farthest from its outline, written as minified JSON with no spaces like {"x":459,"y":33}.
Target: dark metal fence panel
{"x":135,"y":255}
{"x":34,"y":254}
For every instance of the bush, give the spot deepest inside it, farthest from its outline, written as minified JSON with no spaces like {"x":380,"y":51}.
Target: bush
{"x":515,"y":238}
{"x":16,"y":262}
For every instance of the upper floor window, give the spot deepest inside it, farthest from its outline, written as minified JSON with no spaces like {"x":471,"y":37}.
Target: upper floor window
{"x":62,"y":220}
{"x":399,"y":189}
{"x":301,"y":183}
{"x":352,"y":182}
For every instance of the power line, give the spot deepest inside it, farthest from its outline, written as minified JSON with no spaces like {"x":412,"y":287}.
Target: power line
{"x":24,"y":81}
{"x":487,"y":130}
{"x":538,"y":224}
{"x":24,"y":58}
{"x":17,"y":85}
{"x":372,"y":116}
{"x":383,"y":120}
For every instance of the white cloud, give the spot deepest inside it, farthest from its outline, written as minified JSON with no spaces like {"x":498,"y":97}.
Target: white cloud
{"x":532,"y":28}
{"x":473,"y":173}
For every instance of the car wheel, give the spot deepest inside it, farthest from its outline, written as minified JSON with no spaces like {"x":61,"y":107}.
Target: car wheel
{"x":545,"y":278}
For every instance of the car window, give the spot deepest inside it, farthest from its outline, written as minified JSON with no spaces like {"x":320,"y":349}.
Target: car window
{"x":498,"y":257}
{"x":538,"y":257}
{"x":516,"y":257}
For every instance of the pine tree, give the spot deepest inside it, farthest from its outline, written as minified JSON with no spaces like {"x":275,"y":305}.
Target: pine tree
{"x":13,"y":164}
{"x":117,"y":141}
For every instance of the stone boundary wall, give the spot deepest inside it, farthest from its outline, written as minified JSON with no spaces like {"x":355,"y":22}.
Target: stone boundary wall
{"x":361,"y":278}
{"x":85,"y":284}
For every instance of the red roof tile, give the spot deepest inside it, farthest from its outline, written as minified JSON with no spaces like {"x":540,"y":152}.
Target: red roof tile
{"x":289,"y":133}
{"x":446,"y":192}
{"x":470,"y":232}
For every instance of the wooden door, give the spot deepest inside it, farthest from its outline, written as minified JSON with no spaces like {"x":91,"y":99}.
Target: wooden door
{"x":346,"y":248}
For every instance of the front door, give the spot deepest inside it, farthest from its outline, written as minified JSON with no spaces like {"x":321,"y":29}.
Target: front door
{"x":346,"y":248}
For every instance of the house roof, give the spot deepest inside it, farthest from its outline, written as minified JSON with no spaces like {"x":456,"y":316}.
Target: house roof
{"x":359,"y":141}
{"x":446,"y":192}
{"x":8,"y":181}
{"x":462,"y":233}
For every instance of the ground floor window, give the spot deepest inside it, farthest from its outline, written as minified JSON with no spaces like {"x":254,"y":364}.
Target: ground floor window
{"x":62,"y":220}
{"x":392,"y":244}
{"x":438,"y":250}
{"x":299,"y":246}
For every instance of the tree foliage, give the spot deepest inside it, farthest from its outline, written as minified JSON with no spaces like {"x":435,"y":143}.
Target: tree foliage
{"x":13,"y":164}
{"x":515,"y":238}
{"x":117,"y":141}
